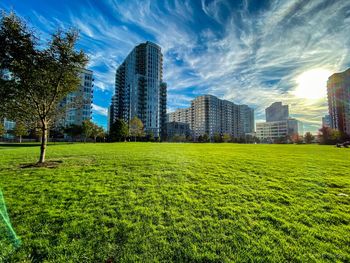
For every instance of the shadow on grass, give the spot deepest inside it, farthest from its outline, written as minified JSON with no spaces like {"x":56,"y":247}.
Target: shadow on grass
{"x":47,"y":164}
{"x":19,"y":144}
{"x":34,"y":144}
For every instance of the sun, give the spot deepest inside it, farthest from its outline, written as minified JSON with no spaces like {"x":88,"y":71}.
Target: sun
{"x":312,"y":84}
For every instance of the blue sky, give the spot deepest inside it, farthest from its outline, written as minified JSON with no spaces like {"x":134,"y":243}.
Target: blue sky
{"x":249,"y":52}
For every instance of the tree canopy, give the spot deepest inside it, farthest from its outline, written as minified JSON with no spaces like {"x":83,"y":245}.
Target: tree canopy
{"x":136,"y":128}
{"x":119,"y":130}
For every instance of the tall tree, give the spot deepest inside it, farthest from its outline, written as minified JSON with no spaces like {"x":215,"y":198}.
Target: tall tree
{"x":88,"y":129}
{"x":329,"y":136}
{"x":308,"y":137}
{"x":226,"y":137}
{"x":35,"y":78}
{"x":97,"y":132}
{"x":20,"y":130}
{"x":119,"y":130}
{"x":136,"y":128}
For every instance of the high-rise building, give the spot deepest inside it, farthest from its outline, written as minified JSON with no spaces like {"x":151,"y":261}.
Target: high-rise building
{"x":210,"y":115}
{"x":111,"y":118}
{"x":246,"y":119}
{"x":277,"y":112}
{"x":326,"y":121}
{"x":140,"y":90}
{"x":78,"y":103}
{"x":338,"y":89}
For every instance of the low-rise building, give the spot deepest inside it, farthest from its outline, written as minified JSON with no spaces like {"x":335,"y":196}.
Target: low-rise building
{"x":276,"y":130}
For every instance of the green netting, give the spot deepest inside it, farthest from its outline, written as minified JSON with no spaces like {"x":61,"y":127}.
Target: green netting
{"x":8,"y":238}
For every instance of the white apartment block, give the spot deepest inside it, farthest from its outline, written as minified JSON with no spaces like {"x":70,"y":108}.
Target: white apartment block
{"x":271,"y":131}
{"x":210,"y":115}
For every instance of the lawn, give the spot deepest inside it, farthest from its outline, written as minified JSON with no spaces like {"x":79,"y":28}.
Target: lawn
{"x":149,"y":202}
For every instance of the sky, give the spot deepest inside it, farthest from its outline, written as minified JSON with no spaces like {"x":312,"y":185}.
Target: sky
{"x":250,"y":52}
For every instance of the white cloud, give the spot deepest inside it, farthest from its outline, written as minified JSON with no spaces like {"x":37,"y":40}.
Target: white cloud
{"x":99,"y":110}
{"x":247,"y":57}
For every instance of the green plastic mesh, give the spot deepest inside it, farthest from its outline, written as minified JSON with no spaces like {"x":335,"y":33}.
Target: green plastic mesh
{"x":9,"y":241}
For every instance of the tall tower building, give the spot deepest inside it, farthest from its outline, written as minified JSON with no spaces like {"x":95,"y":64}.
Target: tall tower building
{"x":338,"y":89}
{"x":326,"y":121}
{"x":277,"y":112}
{"x":140,"y":90}
{"x":78,"y":103}
{"x":246,"y":119}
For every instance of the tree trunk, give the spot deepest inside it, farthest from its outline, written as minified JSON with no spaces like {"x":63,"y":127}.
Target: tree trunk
{"x":20,"y":139}
{"x":43,"y":143}
{"x":95,"y":138}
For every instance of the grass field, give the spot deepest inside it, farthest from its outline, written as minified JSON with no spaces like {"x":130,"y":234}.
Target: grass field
{"x":144,"y":202}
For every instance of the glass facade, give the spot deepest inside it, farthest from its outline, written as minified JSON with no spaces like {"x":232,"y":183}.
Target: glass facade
{"x":139,"y":89}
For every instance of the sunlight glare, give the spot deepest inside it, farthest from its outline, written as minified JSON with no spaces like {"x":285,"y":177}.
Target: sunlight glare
{"x":312,"y":84}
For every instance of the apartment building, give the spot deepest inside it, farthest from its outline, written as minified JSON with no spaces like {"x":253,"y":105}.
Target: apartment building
{"x":140,"y":90}
{"x":338,"y":90}
{"x":78,"y":104}
{"x":210,"y":115}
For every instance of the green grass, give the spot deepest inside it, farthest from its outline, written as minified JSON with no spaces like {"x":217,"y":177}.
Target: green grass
{"x":144,"y":202}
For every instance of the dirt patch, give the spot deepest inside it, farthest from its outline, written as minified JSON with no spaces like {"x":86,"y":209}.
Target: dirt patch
{"x":47,"y":164}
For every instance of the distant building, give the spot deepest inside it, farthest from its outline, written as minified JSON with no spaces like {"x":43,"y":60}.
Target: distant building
{"x":210,"y":115}
{"x":111,"y":117}
{"x":8,"y":126}
{"x":326,"y":121}
{"x":180,"y":115}
{"x":277,"y":112}
{"x":140,"y":90}
{"x":271,"y":131}
{"x":278,"y":124}
{"x":246,"y":119}
{"x":78,"y":104}
{"x":338,"y":89}
{"x":177,"y":129}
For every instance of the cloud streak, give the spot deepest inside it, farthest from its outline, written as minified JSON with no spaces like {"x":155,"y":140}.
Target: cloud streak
{"x":237,"y":50}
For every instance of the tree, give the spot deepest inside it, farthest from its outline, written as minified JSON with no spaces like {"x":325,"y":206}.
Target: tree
{"x":150,"y":137}
{"x":226,"y":137}
{"x":203,"y":138}
{"x":136,"y":128}
{"x":97,"y":132}
{"x":296,"y":138}
{"x":87,"y":129}
{"x":20,"y":130}
{"x":2,"y":130}
{"x":217,"y":137}
{"x":308,"y":137}
{"x":34,"y":78}
{"x":119,"y":130}
{"x":329,"y":136}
